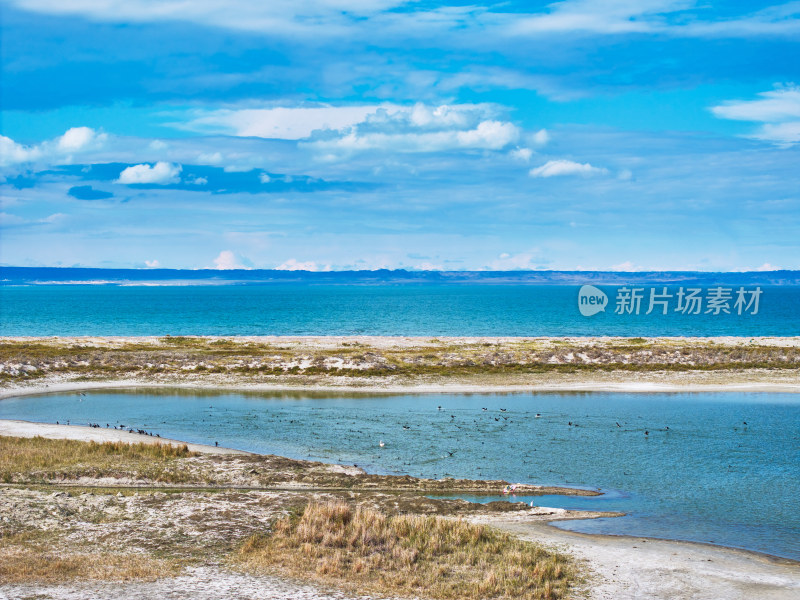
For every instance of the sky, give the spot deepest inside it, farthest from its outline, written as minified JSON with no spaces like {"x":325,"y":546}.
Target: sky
{"x":363,"y":134}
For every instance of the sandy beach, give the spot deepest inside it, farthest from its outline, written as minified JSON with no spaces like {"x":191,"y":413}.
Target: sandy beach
{"x":615,"y":567}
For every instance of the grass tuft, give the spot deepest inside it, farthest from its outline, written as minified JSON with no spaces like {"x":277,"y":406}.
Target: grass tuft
{"x":365,"y":550}
{"x":46,"y":459}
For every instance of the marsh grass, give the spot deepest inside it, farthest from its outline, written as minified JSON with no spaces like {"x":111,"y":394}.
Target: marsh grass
{"x":364,"y":550}
{"x":29,"y":557}
{"x":42,"y":459}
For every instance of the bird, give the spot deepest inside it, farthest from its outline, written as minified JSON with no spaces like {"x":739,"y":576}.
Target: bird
{"x":485,"y":409}
{"x":647,"y":432}
{"x":381,"y":444}
{"x":503,"y":410}
{"x":618,"y":425}
{"x":538,"y":415}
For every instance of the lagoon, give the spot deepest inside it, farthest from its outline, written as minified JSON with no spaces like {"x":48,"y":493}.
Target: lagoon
{"x":721,"y":468}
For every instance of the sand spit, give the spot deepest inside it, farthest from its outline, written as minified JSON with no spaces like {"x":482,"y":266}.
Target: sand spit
{"x":628,"y":568}
{"x":402,"y":364}
{"x":50,"y":431}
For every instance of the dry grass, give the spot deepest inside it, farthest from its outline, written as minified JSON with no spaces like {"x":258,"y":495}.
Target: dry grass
{"x":364,"y":550}
{"x":30,"y":558}
{"x":41,"y":459}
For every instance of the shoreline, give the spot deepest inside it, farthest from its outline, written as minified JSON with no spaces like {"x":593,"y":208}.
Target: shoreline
{"x":618,"y":567}
{"x":29,"y":429}
{"x":53,"y":386}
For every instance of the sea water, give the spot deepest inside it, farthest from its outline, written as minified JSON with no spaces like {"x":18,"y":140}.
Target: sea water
{"x":708,"y":467}
{"x":427,"y":309}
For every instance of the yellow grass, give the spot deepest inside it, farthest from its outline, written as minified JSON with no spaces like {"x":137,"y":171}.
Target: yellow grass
{"x":23,"y":560}
{"x":23,"y":459}
{"x":367,"y":551}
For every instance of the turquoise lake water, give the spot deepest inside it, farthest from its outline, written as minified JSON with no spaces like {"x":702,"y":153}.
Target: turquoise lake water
{"x":425,"y":310}
{"x":721,"y":468}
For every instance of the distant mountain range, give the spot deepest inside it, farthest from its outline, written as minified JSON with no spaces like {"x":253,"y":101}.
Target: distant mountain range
{"x":62,"y":276}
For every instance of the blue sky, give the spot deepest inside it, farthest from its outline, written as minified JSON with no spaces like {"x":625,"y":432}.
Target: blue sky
{"x":362,"y":134}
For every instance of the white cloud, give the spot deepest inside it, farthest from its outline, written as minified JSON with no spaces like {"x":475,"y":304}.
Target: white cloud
{"x":523,"y":154}
{"x":323,"y":17}
{"x":12,"y":153}
{"x":58,"y":150}
{"x":228,"y":260}
{"x":768,"y":267}
{"x":524,"y":261}
{"x":161,"y":173}
{"x":152,"y":264}
{"x":556,"y":168}
{"x":778,"y":110}
{"x":295,"y":265}
{"x":541,"y":137}
{"x":422,"y":128}
{"x":264,"y":177}
{"x":626,"y":266}
{"x":76,"y":139}
{"x":198,"y":180}
{"x":347,"y":18}
{"x":614,"y":17}
{"x":284,"y":123}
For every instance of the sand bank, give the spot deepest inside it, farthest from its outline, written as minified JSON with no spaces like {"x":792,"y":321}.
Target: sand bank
{"x":627,"y":568}
{"x":27,"y":429}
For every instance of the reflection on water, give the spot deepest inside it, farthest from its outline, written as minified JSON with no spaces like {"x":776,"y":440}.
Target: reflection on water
{"x":719,"y":468}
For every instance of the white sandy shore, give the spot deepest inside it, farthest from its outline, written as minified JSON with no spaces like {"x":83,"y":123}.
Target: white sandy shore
{"x":628,"y":568}
{"x":233,"y":385}
{"x":28,"y":429}
{"x":400,"y":341}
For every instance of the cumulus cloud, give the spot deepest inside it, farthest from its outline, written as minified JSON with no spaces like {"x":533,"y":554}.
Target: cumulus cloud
{"x":557,"y":168}
{"x":422,"y":128}
{"x":152,"y":264}
{"x":264,"y":177}
{"x":295,"y":265}
{"x":777,"y":110}
{"x":58,"y":150}
{"x":76,"y":139}
{"x":228,"y":260}
{"x":161,"y":173}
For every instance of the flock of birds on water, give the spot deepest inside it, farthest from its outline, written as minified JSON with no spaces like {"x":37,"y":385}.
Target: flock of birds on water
{"x":503,"y":418}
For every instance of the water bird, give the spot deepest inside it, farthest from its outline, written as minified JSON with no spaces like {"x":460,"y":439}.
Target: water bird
{"x":485,"y":409}
{"x":744,"y":422}
{"x":538,"y":415}
{"x":406,"y":427}
{"x":618,"y":425}
{"x":647,"y":432}
{"x":381,"y":444}
{"x":440,"y":408}
{"x":503,"y":410}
